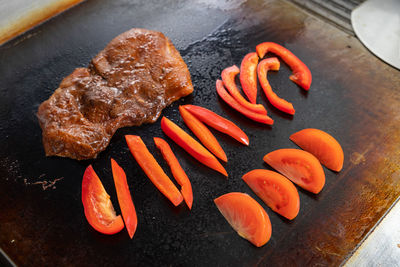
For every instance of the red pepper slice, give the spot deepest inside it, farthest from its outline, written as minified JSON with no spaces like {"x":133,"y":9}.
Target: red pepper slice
{"x":99,"y":210}
{"x":124,"y":198}
{"x":248,"y":76}
{"x":176,"y":169}
{"x":152,"y":169}
{"x":262,"y":69}
{"x":194,"y":148}
{"x":228,"y":76}
{"x":202,"y":132}
{"x":217,"y":122}
{"x":235,"y":105}
{"x":301,"y":74}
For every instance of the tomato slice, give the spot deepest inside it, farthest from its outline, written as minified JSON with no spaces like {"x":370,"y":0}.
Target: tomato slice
{"x":246,"y":216}
{"x":124,"y":198}
{"x":322,"y":145}
{"x":275,"y":190}
{"x":300,"y":166}
{"x":97,"y":205}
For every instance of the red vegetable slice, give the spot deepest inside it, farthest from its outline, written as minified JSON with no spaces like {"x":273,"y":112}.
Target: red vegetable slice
{"x":228,"y":77}
{"x":301,"y":74}
{"x":176,"y":169}
{"x":194,"y":148}
{"x":235,"y":105}
{"x":246,"y":216}
{"x":152,"y":169}
{"x":275,"y":190}
{"x":203,"y":133}
{"x":124,"y":198}
{"x":322,"y":145}
{"x":248,"y":76}
{"x":217,"y":122}
{"x":301,"y":167}
{"x":262,"y":69}
{"x":97,"y":205}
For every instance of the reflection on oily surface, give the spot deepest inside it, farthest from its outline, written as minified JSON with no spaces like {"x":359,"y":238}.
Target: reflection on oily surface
{"x":352,"y":97}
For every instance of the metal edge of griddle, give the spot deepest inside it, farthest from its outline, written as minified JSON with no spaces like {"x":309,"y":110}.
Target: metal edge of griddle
{"x":5,"y":260}
{"x":397,"y":201}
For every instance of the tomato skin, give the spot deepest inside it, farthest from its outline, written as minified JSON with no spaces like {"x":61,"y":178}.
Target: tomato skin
{"x":219,"y":123}
{"x":301,"y":167}
{"x":97,"y":205}
{"x":246,"y":216}
{"x":124,"y":198}
{"x":275,"y":190}
{"x":322,"y":145}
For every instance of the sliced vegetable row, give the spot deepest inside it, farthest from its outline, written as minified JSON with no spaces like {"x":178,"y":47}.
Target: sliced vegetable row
{"x":277,"y":191}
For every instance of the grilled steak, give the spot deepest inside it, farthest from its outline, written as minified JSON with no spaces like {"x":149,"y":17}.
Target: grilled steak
{"x":129,"y":83}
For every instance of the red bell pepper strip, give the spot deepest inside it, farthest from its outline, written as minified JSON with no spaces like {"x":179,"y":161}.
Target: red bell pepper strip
{"x":97,"y":205}
{"x":152,"y":169}
{"x":248,"y":76}
{"x":262,"y":69}
{"x":194,"y":148}
{"x":124,"y":198}
{"x":217,"y":122}
{"x":228,"y":76}
{"x":176,"y":169}
{"x":235,"y":105}
{"x":301,"y":74}
{"x":203,"y":133}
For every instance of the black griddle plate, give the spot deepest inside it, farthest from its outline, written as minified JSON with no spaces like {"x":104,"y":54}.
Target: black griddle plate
{"x":352,"y":97}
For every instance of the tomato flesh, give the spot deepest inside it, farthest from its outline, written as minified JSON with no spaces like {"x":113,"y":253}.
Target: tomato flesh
{"x":246,"y":216}
{"x":301,"y":167}
{"x":97,"y":205}
{"x":275,"y":190}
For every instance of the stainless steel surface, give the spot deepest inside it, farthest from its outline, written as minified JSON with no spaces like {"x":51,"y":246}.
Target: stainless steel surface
{"x":377,"y":24}
{"x":382,"y":246}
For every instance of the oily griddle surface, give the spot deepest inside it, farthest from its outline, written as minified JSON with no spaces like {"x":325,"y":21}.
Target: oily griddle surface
{"x":354,"y":97}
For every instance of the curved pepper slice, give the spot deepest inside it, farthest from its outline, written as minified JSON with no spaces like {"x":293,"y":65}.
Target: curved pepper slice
{"x":124,"y":198}
{"x":248,"y":76}
{"x":301,"y":74}
{"x":152,"y":169}
{"x":194,"y":148}
{"x":97,"y":205}
{"x":202,"y":132}
{"x":262,"y":69}
{"x":228,"y":76}
{"x":176,"y":169}
{"x":235,"y":105}
{"x":217,"y":122}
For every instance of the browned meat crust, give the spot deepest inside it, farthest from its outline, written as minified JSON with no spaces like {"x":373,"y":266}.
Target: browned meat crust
{"x":129,"y":83}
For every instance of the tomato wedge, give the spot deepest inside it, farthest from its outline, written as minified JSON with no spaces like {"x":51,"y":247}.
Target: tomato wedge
{"x":124,"y":198}
{"x":152,"y":169}
{"x":275,"y":190}
{"x":301,"y":74}
{"x":246,"y":216}
{"x":228,"y":77}
{"x":176,"y":169}
{"x":218,"y":123}
{"x":203,"y":133}
{"x":300,"y":166}
{"x":194,"y":148}
{"x":322,"y":145}
{"x":235,"y":105}
{"x":99,"y":210}
{"x":262,"y":69}
{"x":248,"y":76}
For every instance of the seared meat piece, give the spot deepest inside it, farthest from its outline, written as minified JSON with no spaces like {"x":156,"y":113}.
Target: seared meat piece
{"x":129,"y":83}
